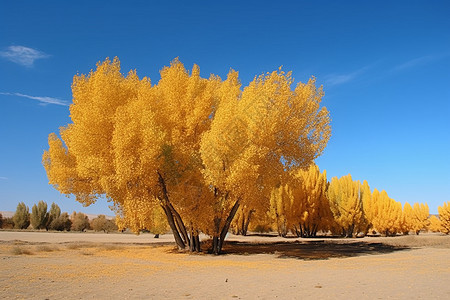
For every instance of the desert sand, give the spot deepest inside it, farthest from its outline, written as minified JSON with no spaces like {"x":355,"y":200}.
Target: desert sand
{"x":40,"y":265}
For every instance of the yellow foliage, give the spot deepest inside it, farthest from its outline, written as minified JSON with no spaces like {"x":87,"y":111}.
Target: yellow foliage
{"x":384,"y":214}
{"x":368,"y":206}
{"x":310,"y":209}
{"x":407,"y":218}
{"x":261,"y":131}
{"x":242,"y":219}
{"x":420,"y":213}
{"x":444,"y":216}
{"x":346,"y":204}
{"x":434,"y":224}
{"x":195,"y":147}
{"x":281,"y":208}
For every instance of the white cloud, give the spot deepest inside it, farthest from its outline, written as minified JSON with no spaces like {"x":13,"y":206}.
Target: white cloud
{"x":337,"y":79}
{"x":3,"y":178}
{"x":23,"y":55}
{"x":42,"y":100}
{"x":423,"y":60}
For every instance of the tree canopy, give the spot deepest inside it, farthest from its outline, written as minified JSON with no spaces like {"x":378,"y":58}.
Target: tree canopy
{"x":196,"y":149}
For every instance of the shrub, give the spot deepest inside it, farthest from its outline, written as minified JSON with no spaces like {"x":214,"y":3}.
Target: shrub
{"x":39,"y":215}
{"x":98,"y":224}
{"x":80,"y":222}
{"x":22,"y":216}
{"x":8,"y":223}
{"x":101,"y":223}
{"x":61,"y":223}
{"x":18,"y":250}
{"x":53,"y":214}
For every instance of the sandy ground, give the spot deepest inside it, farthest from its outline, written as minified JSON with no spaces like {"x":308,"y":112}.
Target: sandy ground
{"x":37,"y":265}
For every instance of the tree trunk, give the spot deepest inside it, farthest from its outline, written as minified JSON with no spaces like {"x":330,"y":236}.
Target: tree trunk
{"x":242,"y":229}
{"x":219,"y":240}
{"x":196,"y":239}
{"x":164,"y":201}
{"x":173,"y":227}
{"x":316,"y":227}
{"x":295,"y":231}
{"x":215,"y":245}
{"x":247,"y":222}
{"x":180,"y":224}
{"x":191,"y":242}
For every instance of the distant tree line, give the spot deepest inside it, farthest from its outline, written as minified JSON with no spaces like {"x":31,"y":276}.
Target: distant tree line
{"x":379,"y":216}
{"x":42,"y":219}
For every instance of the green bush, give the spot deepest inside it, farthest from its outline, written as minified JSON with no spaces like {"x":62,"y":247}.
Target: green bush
{"x":22,"y":216}
{"x":62,"y":223}
{"x":53,"y":214}
{"x":39,"y":215}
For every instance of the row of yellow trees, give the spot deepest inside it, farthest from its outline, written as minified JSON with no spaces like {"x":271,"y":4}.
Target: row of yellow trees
{"x":306,"y":203}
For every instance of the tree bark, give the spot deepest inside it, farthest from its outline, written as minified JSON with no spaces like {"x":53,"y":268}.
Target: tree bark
{"x":191,"y":242}
{"x":173,"y":227}
{"x":168,"y":211}
{"x":242,"y":229}
{"x":179,"y":223}
{"x":226,"y":226}
{"x":247,"y":222}
{"x":196,"y":239}
{"x":215,"y":245}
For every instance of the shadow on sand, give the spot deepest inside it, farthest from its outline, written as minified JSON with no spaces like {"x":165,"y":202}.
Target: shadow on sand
{"x":310,"y":250}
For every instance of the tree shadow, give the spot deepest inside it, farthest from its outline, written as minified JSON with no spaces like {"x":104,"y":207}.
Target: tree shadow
{"x":310,"y":250}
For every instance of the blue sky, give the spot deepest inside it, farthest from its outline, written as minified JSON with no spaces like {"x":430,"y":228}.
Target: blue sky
{"x":384,"y":66}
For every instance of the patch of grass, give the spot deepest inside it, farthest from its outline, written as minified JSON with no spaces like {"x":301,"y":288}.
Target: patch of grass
{"x":73,"y":246}
{"x":78,"y":245}
{"x":17,"y":242}
{"x":20,"y":251}
{"x":87,"y":252}
{"x":110,"y":247}
{"x":46,"y":248}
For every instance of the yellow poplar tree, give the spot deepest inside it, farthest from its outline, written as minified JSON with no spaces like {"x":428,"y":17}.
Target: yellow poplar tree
{"x":368,"y":207}
{"x":196,"y":148}
{"x":420,"y":214}
{"x":385,"y":214}
{"x":444,"y":216}
{"x":310,"y":208}
{"x":345,"y":199}
{"x":434,"y":224}
{"x":407,"y":219}
{"x":281,"y":209}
